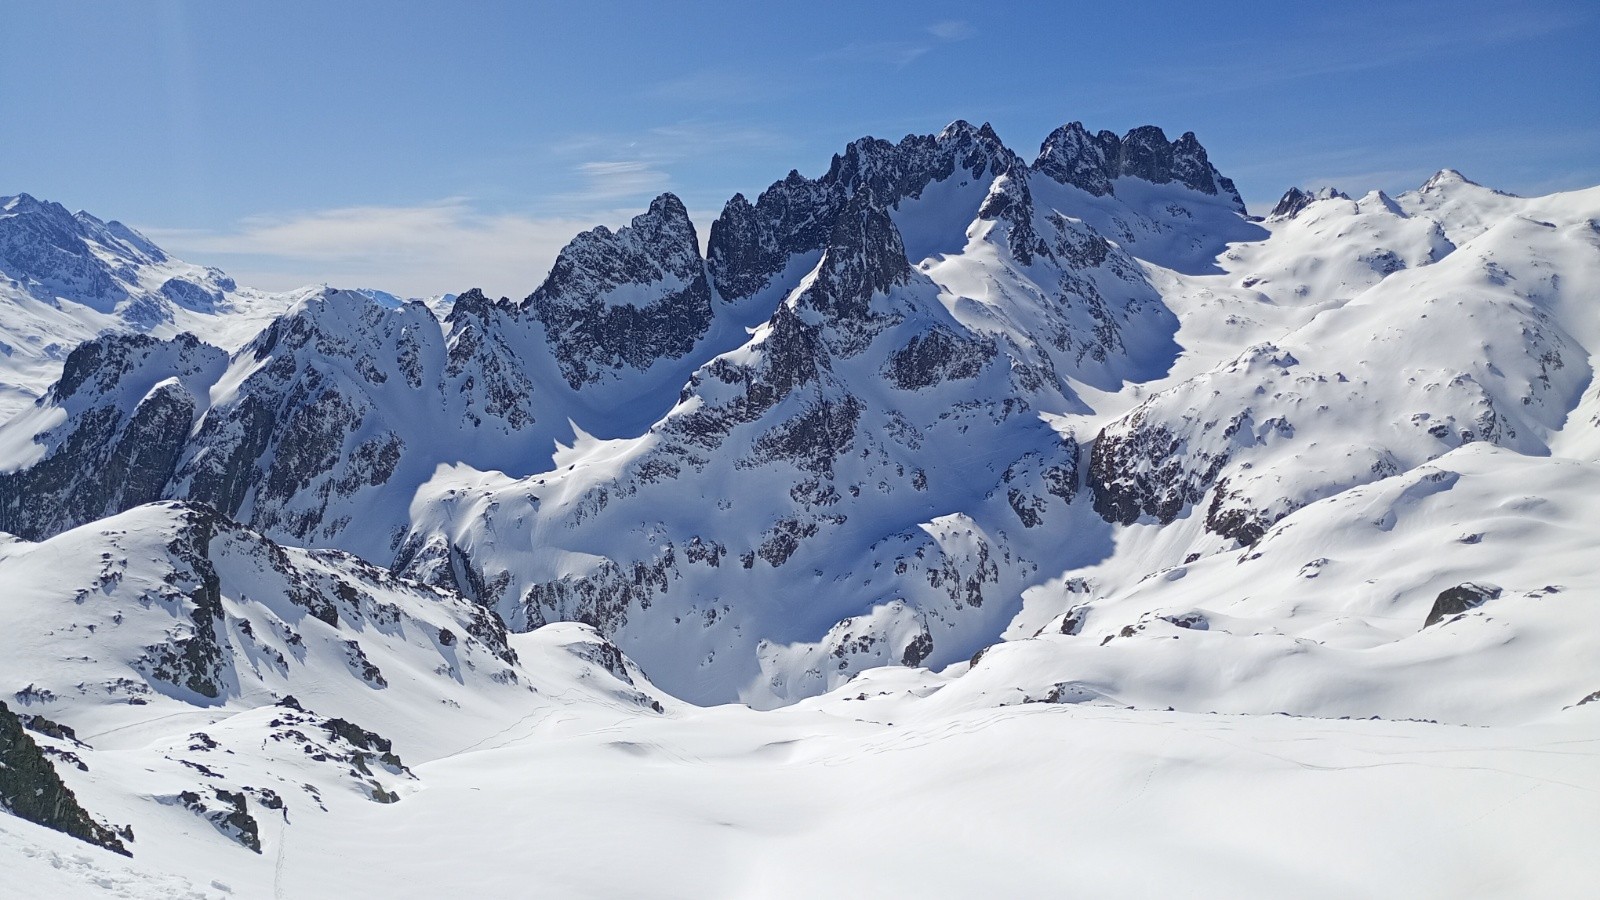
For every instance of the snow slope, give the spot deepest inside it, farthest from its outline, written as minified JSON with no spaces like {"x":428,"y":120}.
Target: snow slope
{"x":1032,"y":801}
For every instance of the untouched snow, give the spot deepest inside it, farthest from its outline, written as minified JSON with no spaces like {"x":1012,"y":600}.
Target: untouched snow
{"x":1034,"y":801}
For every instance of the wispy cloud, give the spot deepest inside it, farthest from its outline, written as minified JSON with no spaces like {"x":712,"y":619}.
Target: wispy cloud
{"x":421,"y":250}
{"x":951,"y":30}
{"x":900,"y":53}
{"x":631,"y":168}
{"x":618,"y":179}
{"x":664,"y":144}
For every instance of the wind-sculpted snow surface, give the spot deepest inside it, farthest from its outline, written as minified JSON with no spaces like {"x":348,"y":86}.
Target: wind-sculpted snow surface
{"x":176,"y":601}
{"x":185,"y":675}
{"x":1453,"y":592}
{"x":1480,"y":346}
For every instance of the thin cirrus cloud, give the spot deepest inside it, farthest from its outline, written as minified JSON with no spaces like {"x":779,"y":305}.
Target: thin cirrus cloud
{"x":450,"y":245}
{"x":613,"y":180}
{"x":901,"y":53}
{"x":951,"y":30}
{"x":434,"y":248}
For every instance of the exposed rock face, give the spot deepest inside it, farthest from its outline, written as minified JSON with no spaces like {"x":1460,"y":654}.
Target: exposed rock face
{"x":1292,"y":201}
{"x":228,"y":812}
{"x":54,"y":255}
{"x":195,"y":659}
{"x":318,"y":417}
{"x":1459,"y":599}
{"x":130,"y":401}
{"x":43,"y":245}
{"x":1072,"y":156}
{"x":1141,"y":472}
{"x":750,"y":244}
{"x":482,"y":369}
{"x":31,"y":789}
{"x":625,"y":299}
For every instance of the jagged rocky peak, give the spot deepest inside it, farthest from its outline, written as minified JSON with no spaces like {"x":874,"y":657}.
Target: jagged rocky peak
{"x":841,"y":310}
{"x":751,"y":244}
{"x":975,"y":146}
{"x":1072,"y":156}
{"x":1290,"y":204}
{"x":864,"y":256}
{"x":1009,"y":200}
{"x":625,"y":299}
{"x":890,"y":173}
{"x":472,"y":304}
{"x":345,"y":324}
{"x":1295,"y":199}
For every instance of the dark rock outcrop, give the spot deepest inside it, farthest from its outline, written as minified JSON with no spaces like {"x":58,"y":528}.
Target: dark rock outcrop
{"x":197,"y":661}
{"x":752,"y":243}
{"x":1292,"y":201}
{"x":1072,"y":156}
{"x":130,"y":402}
{"x":31,"y":789}
{"x":626,"y":298}
{"x":1459,"y":599}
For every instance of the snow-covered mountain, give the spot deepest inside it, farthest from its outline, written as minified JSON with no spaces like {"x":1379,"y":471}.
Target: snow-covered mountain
{"x":943,"y":437}
{"x":68,"y":277}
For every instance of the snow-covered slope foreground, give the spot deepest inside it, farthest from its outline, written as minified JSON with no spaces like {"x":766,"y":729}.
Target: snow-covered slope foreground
{"x":191,"y":680}
{"x":1032,"y":801}
{"x":1079,"y":533}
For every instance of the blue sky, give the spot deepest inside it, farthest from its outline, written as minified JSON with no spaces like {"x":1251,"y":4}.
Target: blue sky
{"x":425,"y":147}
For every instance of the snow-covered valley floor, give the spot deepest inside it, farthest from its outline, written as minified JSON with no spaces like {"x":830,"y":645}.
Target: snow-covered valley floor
{"x":1025,"y":801}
